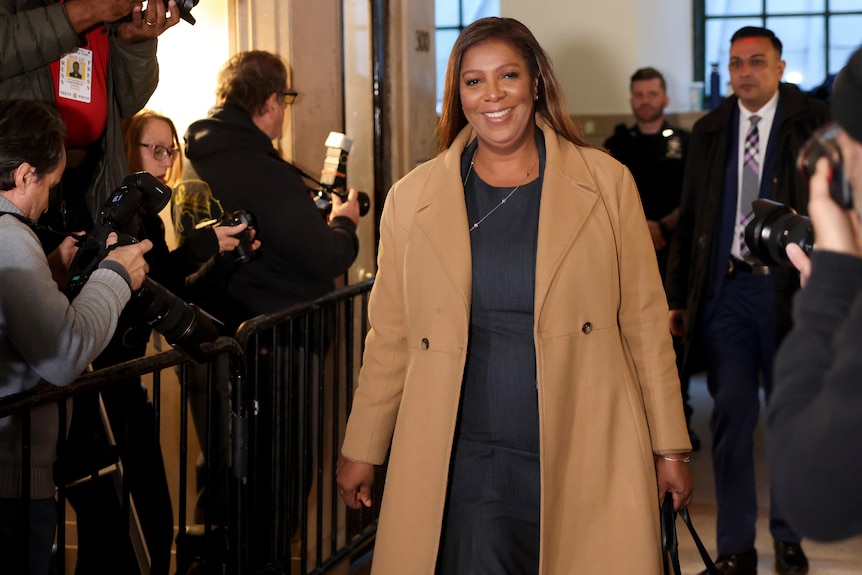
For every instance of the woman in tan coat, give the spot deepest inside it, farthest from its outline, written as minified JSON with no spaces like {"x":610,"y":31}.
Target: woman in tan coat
{"x":519,"y":372}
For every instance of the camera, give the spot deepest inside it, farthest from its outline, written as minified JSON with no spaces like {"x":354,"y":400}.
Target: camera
{"x":185,"y":8}
{"x":333,"y":176}
{"x":773,"y":228}
{"x":184,"y":326}
{"x":824,"y":144}
{"x":243,"y":253}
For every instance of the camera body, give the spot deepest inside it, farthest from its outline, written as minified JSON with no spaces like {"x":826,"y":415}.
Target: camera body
{"x":333,"y":176}
{"x":184,"y":326}
{"x":185,"y":8}
{"x":824,"y":144}
{"x":243,"y":253}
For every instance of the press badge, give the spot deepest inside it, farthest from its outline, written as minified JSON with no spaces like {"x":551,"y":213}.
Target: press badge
{"x":76,"y":78}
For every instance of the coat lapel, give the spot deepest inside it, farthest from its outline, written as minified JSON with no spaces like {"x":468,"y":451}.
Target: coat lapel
{"x":569,"y":196}
{"x":441,"y":216}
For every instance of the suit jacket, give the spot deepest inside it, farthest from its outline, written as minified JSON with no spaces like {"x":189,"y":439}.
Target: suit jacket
{"x":608,"y":393}
{"x":701,"y":244}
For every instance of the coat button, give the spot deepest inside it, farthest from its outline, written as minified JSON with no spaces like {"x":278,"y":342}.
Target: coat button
{"x":425,"y":343}
{"x":587,"y":327}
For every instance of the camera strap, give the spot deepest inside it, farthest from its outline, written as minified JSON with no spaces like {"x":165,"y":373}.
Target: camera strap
{"x":38,"y":229}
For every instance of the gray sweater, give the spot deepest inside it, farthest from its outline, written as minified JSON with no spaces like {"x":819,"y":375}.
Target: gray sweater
{"x":44,"y":339}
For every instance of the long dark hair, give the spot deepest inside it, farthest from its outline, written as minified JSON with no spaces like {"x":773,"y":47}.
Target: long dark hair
{"x":31,"y":132}
{"x":551,"y":103}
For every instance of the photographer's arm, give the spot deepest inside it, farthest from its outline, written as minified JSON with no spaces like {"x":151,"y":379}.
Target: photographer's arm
{"x":814,"y":407}
{"x":57,"y":338}
{"x":37,"y":37}
{"x":131,"y":257}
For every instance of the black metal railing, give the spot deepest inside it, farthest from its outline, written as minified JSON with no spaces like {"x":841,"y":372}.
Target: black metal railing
{"x":289,"y":377}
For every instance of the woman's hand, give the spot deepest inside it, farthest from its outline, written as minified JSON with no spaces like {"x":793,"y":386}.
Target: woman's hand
{"x":355,"y":479}
{"x":674,"y":477}
{"x":227,"y":240}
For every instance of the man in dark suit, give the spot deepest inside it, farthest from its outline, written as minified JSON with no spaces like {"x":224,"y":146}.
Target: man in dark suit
{"x":732,"y":310}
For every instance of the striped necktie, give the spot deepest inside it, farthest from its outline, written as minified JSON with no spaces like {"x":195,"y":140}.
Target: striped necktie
{"x":750,"y":181}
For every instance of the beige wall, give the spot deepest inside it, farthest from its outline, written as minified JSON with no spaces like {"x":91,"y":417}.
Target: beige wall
{"x":595,"y":47}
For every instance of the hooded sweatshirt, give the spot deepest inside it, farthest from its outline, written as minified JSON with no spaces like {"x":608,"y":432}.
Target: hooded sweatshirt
{"x":300,"y":255}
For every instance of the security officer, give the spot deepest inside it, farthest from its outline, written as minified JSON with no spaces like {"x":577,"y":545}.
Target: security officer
{"x":654,"y":152}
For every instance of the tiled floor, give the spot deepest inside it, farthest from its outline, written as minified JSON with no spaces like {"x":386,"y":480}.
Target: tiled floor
{"x":843,"y":558}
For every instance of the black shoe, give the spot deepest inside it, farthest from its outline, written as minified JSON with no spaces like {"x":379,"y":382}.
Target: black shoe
{"x":790,"y":559}
{"x":737,"y":564}
{"x":695,"y":440}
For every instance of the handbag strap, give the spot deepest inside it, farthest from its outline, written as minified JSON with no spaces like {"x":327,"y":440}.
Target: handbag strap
{"x":670,"y":542}
{"x":707,"y":560}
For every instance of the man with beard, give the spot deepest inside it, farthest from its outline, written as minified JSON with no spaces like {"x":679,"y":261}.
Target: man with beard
{"x":654,"y":152}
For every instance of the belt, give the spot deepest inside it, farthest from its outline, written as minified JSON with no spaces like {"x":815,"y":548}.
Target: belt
{"x":735,"y":266}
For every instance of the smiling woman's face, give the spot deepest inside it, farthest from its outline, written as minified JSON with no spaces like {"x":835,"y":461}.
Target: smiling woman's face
{"x":497,"y":94}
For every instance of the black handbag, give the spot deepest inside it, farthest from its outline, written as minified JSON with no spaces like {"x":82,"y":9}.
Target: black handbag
{"x":670,"y":543}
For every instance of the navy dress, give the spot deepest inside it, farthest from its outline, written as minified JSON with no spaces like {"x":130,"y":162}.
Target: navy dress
{"x":491,"y":524}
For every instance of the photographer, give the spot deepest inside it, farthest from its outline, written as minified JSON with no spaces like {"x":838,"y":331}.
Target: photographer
{"x":152,"y":145}
{"x":233,"y":165}
{"x":45,"y":339}
{"x":114,"y":43}
{"x":816,"y":407}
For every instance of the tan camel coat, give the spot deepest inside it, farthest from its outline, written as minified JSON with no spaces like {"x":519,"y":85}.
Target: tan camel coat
{"x":608,"y":392}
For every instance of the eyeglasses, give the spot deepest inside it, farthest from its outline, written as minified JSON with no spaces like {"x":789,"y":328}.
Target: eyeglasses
{"x":289,"y":96}
{"x":160,"y":152}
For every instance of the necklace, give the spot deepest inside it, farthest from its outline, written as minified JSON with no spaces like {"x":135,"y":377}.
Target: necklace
{"x":505,"y":199}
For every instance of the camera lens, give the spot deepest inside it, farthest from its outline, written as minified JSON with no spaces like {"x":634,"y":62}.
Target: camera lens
{"x":773,"y":228}
{"x":184,"y":326}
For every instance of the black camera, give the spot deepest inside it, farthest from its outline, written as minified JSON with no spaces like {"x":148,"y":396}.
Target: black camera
{"x":773,"y":228}
{"x":243,"y":253}
{"x":824,"y":144}
{"x":333,"y":176}
{"x":184,"y":326}
{"x":185,"y":8}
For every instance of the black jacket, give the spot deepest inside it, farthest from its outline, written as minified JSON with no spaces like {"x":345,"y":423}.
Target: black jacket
{"x":300,"y":255}
{"x":815,"y":409}
{"x":692,"y":259}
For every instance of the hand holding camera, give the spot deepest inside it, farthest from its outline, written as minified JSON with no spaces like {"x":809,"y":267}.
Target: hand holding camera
{"x":778,"y":235}
{"x":346,"y":207}
{"x":837,"y":227}
{"x":131,"y":257}
{"x":150,"y":23}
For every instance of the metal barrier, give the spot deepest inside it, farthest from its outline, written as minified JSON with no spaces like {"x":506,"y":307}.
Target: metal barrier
{"x":302,"y":365}
{"x":290,"y":377}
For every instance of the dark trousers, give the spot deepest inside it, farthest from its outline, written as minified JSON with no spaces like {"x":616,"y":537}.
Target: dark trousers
{"x":14,"y":539}
{"x":740,"y":344}
{"x":104,"y":544}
